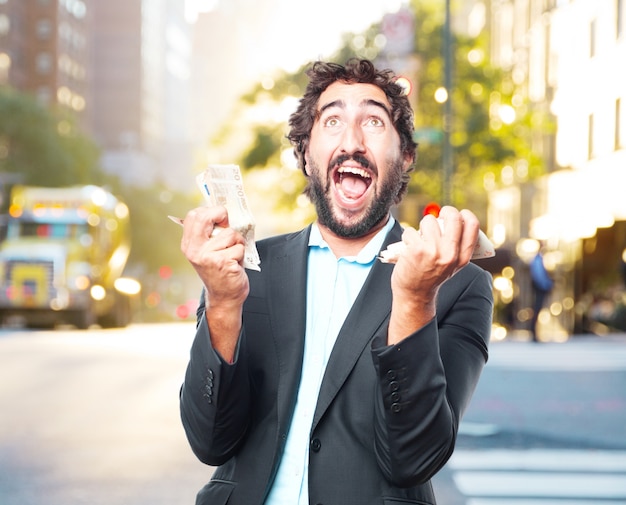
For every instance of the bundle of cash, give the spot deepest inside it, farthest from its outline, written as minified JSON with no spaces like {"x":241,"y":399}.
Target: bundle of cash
{"x":484,"y":248}
{"x":223,"y":185}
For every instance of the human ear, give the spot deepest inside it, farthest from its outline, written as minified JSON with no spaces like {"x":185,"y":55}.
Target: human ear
{"x":409,"y":159}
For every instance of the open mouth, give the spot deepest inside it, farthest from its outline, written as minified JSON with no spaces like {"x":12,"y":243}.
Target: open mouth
{"x":352,"y":182}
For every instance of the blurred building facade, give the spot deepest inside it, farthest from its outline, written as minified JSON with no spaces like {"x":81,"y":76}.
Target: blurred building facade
{"x":45,"y":48}
{"x":567,"y":57}
{"x":122,"y":67}
{"x":141,"y":78}
{"x":232,"y":44}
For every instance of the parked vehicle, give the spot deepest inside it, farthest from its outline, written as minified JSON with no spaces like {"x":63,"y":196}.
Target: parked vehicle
{"x":63,"y":258}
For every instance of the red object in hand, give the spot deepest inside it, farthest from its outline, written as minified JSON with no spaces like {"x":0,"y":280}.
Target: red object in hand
{"x":432,"y":208}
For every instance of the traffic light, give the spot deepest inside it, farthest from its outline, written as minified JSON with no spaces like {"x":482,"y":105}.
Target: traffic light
{"x":432,"y":208}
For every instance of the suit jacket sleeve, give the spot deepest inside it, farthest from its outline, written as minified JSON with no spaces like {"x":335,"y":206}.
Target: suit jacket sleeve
{"x":427,"y":380}
{"x":214,"y":398}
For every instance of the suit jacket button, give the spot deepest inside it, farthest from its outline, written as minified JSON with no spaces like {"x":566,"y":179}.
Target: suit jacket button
{"x":395,"y":407}
{"x":316,"y":445}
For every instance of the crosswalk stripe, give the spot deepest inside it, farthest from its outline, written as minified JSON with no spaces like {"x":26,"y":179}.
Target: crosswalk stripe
{"x":525,"y":501}
{"x":569,"y":356}
{"x":540,"y":476}
{"x":540,"y":460}
{"x":543,"y":485}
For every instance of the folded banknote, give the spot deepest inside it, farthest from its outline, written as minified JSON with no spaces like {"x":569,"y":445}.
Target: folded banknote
{"x":484,"y":248}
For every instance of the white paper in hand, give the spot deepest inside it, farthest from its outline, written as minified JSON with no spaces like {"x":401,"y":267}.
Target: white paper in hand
{"x":223,"y":185}
{"x":484,"y":248}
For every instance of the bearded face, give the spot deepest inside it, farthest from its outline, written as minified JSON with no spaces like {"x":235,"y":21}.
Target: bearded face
{"x":354,"y":160}
{"x":354,"y":224}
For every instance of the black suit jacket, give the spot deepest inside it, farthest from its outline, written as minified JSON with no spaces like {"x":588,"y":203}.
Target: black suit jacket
{"x":386,"y":417}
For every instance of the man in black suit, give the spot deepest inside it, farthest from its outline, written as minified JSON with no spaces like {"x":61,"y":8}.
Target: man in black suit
{"x":330,"y":377}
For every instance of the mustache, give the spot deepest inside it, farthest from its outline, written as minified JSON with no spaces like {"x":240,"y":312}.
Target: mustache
{"x":358,"y":158}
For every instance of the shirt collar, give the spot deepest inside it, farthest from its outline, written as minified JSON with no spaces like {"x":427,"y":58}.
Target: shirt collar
{"x":367,"y":254}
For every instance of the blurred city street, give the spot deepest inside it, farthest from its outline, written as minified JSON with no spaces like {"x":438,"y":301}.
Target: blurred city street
{"x":109,"y":111}
{"x":91,"y":417}
{"x":545,"y":427}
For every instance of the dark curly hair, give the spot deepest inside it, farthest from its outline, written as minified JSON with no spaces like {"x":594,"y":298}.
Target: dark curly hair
{"x":323,"y":74}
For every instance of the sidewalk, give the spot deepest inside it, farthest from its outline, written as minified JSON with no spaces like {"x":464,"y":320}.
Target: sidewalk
{"x":524,"y":336}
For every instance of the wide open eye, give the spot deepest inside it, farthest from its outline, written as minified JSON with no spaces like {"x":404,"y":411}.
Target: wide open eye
{"x":331,"y":122}
{"x":375,"y":122}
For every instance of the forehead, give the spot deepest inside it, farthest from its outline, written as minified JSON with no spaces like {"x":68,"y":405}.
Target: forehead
{"x":352,"y":94}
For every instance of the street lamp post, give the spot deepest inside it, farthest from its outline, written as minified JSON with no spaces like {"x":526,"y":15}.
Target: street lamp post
{"x":447,"y":114}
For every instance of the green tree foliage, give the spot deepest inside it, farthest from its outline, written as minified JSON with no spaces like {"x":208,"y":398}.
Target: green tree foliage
{"x":267,"y":142}
{"x":493,"y":125}
{"x":155,"y":240}
{"x":485,"y":148}
{"x":44,"y":147}
{"x":41,"y":146}
{"x":484,"y":145}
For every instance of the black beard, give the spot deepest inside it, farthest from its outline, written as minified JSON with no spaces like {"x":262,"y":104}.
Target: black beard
{"x":318,"y":193}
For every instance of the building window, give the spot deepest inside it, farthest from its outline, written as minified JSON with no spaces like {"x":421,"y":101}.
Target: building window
{"x":5,"y":66}
{"x":590,"y":138}
{"x":549,"y":5}
{"x":43,"y":63}
{"x":77,"y":8}
{"x":44,"y":95}
{"x":44,"y":29}
{"x":592,"y":39}
{"x":5,"y":23}
{"x":618,"y":124}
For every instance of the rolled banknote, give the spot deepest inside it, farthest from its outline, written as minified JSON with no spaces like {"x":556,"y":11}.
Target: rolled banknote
{"x":223,"y":185}
{"x":484,"y":248}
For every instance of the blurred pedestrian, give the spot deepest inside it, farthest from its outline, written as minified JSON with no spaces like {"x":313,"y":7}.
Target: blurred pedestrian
{"x":623,"y":266}
{"x":329,"y":376}
{"x":542,"y":286}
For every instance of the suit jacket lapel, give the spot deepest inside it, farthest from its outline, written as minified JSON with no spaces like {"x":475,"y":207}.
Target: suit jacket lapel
{"x":287,"y":266}
{"x":370,"y":310}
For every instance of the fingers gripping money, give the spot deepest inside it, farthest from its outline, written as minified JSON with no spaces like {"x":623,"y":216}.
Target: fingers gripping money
{"x":223,"y":185}
{"x":484,"y":248}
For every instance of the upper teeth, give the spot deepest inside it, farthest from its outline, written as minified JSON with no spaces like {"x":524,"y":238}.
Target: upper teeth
{"x":356,"y":171}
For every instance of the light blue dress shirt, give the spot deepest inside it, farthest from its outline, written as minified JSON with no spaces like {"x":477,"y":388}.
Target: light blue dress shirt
{"x":332,"y":286}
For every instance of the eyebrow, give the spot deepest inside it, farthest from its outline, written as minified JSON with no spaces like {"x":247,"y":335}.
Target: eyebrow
{"x":342,"y":104}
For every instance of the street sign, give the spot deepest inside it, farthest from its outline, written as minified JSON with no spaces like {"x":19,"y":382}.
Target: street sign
{"x":428,"y":135}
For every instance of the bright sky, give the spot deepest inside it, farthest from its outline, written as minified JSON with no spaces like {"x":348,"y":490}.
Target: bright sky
{"x":314,"y":27}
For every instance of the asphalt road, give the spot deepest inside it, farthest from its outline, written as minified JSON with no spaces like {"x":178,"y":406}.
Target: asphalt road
{"x":546,"y":426}
{"x":92,"y":418}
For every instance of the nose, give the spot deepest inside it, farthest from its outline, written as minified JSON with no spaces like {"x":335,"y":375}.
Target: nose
{"x":353,"y":140}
